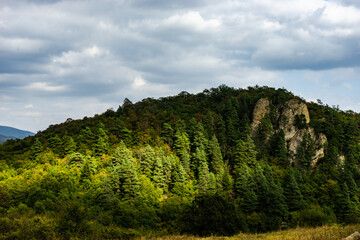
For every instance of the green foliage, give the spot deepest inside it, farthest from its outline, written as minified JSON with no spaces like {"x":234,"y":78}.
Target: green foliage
{"x":182,"y":164}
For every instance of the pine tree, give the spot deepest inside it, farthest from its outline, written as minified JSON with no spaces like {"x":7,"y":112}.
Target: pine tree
{"x":168,"y":164}
{"x":293,"y":196}
{"x":158,"y":176}
{"x":36,"y":149}
{"x":198,"y":158}
{"x":121,"y":153}
{"x":250,"y":201}
{"x":69,"y":145}
{"x":147,"y":161}
{"x":167,"y":134}
{"x":203,"y":179}
{"x":55,"y":143}
{"x":278,"y":148}
{"x":215,"y":156}
{"x":85,"y":172}
{"x":275,"y":206}
{"x":212,"y":184}
{"x":209,"y":125}
{"x":87,"y":137}
{"x":199,"y":139}
{"x":245,"y":152}
{"x":130,"y":183}
{"x":305,"y":152}
{"x":181,"y":142}
{"x":221,"y":133}
{"x":123,"y":133}
{"x":76,"y":159}
{"x":243,"y":181}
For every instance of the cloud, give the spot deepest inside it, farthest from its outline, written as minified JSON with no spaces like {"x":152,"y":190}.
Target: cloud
{"x":68,"y":51}
{"x":43,"y":86}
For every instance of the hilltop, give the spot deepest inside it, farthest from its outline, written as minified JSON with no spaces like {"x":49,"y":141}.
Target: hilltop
{"x":219,"y":162}
{"x":7,"y":133}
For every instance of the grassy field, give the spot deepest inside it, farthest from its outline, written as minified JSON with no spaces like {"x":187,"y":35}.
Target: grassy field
{"x":335,"y":232}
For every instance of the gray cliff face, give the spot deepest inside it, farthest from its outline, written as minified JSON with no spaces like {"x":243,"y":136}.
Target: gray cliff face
{"x":291,"y":110}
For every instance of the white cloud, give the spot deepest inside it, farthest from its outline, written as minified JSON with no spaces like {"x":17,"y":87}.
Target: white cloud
{"x":29,"y":106}
{"x":43,"y":86}
{"x":80,"y":53}
{"x":192,"y":20}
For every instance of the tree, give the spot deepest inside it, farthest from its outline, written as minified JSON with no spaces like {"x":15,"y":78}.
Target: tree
{"x":245,"y":152}
{"x":69,"y":145}
{"x":85,"y":172}
{"x":147,"y":161}
{"x":158,"y":176}
{"x":215,"y":156}
{"x":167,"y":134}
{"x":36,"y":149}
{"x":305,"y":152}
{"x":276,"y":209}
{"x":203,"y":182}
{"x":278,"y":148}
{"x":292,"y":193}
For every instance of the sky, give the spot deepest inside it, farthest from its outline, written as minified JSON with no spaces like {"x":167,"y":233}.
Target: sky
{"x":64,"y":59}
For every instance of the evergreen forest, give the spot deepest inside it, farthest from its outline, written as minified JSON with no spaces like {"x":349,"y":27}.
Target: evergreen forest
{"x":191,"y":164}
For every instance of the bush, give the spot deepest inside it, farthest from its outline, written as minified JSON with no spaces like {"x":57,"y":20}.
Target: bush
{"x":312,"y":217}
{"x":212,"y":215}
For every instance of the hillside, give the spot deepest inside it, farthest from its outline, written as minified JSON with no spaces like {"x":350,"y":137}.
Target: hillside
{"x":7,"y":133}
{"x":219,"y":162}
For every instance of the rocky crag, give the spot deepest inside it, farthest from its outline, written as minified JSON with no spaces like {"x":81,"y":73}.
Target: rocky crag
{"x":293,"y":118}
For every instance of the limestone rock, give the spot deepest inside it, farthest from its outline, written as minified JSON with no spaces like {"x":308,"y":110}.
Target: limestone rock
{"x":287,"y":122}
{"x":292,"y":108}
{"x":355,"y":235}
{"x":261,"y":108}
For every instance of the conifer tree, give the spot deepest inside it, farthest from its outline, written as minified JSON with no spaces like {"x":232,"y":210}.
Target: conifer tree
{"x":181,"y":142}
{"x":121,"y":153}
{"x":221,"y":133}
{"x":158,"y":176}
{"x":69,"y":145}
{"x":147,"y":161}
{"x":245,"y":152}
{"x":278,"y":148}
{"x":123,"y":133}
{"x":275,"y":206}
{"x":168,"y":164}
{"x":293,"y":196}
{"x":243,"y":181}
{"x":212,"y":184}
{"x":209,"y":125}
{"x":85,"y":172}
{"x":87,"y":137}
{"x":215,"y":156}
{"x":129,"y":181}
{"x":55,"y":143}
{"x":250,"y":204}
{"x":36,"y":149}
{"x":76,"y":159}
{"x":245,"y":129}
{"x":203,"y":179}
{"x":305,"y":152}
{"x":198,"y":159}
{"x":167,"y":134}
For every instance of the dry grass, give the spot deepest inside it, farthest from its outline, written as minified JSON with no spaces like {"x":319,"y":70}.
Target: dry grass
{"x":335,"y":232}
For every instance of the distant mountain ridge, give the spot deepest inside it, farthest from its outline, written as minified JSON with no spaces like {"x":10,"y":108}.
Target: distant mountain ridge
{"x":7,"y":133}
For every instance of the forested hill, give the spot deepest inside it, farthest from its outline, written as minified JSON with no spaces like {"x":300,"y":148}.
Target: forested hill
{"x":218,"y":162}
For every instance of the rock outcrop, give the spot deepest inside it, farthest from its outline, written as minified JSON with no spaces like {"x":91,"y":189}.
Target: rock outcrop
{"x":291,"y":113}
{"x":262,"y":107}
{"x":354,"y":236}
